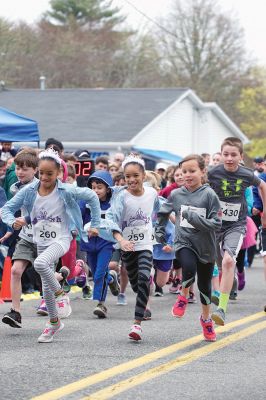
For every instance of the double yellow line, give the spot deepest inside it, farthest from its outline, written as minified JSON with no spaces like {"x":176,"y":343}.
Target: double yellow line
{"x":112,"y":390}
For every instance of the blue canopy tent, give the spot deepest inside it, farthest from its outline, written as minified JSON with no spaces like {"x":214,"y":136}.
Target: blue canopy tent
{"x":17,"y":128}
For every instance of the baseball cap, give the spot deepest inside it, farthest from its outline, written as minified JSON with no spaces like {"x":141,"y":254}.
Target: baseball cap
{"x":161,"y":165}
{"x":258,"y":159}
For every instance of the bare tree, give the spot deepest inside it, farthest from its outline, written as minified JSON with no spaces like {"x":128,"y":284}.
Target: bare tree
{"x":204,"y":49}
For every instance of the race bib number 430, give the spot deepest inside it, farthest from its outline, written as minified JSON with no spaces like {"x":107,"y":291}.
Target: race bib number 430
{"x":230,"y":211}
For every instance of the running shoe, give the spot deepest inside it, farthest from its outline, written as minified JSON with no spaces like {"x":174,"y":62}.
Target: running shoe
{"x":121,"y":299}
{"x":50,"y":330}
{"x":114,"y":285}
{"x":12,"y":318}
{"x":63,"y":306}
{"x":87,"y":292}
{"x":135,"y":333}
{"x":218,"y":316}
{"x":158,"y":291}
{"x":176,"y":286}
{"x":192,"y":298}
{"x":81,"y":279}
{"x":208,"y":330}
{"x":215,"y":297}
{"x":100,"y":310}
{"x":179,"y":308}
{"x":233,"y":293}
{"x":42,"y":309}
{"x":65,"y":271}
{"x":241,"y":280}
{"x":147,"y":315}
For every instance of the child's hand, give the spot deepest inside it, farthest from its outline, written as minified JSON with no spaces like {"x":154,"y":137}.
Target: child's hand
{"x":19,"y":223}
{"x":5,"y":237}
{"x":93,"y":232}
{"x":167,"y":248}
{"x":126,"y":245}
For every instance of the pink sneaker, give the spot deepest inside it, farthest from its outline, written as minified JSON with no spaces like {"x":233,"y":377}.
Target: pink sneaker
{"x":135,"y":332}
{"x":179,"y":308}
{"x":208,"y":330}
{"x":42,"y":309}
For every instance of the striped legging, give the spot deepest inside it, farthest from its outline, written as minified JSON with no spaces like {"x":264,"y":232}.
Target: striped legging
{"x":44,"y":265}
{"x":138,"y":265}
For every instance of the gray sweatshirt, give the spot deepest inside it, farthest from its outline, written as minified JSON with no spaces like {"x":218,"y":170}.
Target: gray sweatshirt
{"x":198,"y":216}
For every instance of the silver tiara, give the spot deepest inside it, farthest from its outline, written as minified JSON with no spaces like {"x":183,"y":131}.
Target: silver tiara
{"x":133,"y":158}
{"x":50,"y":153}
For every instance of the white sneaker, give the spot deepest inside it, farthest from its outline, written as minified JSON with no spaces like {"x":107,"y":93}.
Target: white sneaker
{"x":63,"y":306}
{"x":50,"y":330}
{"x":135,"y":332}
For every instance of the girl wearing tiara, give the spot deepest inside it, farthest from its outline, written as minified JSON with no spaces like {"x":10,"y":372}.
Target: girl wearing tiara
{"x":131,"y":209}
{"x":53,"y":212}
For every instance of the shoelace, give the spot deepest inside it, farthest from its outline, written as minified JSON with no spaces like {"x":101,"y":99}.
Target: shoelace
{"x":181,"y":304}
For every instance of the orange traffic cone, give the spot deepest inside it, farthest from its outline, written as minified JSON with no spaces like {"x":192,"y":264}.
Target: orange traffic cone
{"x":5,"y":294}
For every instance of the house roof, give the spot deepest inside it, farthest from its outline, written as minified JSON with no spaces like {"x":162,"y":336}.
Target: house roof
{"x":90,"y":115}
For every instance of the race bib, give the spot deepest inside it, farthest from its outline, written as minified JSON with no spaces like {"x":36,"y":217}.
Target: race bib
{"x":46,"y":231}
{"x":230,"y":211}
{"x":137,"y":234}
{"x":183,"y":221}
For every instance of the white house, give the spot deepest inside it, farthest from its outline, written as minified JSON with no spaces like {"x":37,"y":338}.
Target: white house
{"x":164,"y":124}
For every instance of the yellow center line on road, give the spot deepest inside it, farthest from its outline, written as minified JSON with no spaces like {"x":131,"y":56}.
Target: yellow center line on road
{"x":138,"y":362}
{"x":193,"y":355}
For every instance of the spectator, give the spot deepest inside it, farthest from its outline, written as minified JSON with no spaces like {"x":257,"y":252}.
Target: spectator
{"x":118,"y":159}
{"x":56,"y":145}
{"x":258,"y":163}
{"x":2,"y":171}
{"x":7,"y":151}
{"x":101,"y":162}
{"x":161,"y":170}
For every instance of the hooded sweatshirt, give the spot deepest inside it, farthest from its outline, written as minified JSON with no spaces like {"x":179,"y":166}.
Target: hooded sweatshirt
{"x":198,"y":216}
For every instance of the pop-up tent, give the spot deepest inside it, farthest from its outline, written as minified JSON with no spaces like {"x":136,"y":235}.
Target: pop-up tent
{"x":17,"y":128}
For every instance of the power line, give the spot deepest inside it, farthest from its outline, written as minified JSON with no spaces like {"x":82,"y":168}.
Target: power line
{"x":149,"y":18}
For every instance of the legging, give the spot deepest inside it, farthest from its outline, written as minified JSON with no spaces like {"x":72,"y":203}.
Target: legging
{"x":138,"y":265}
{"x":192,"y":266}
{"x":44,"y":265}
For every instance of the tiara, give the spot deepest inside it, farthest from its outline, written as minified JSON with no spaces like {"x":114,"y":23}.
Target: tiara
{"x":50,"y":153}
{"x":133,"y":158}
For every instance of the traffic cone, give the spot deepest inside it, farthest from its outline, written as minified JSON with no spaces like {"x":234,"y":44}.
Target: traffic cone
{"x":5,"y":293}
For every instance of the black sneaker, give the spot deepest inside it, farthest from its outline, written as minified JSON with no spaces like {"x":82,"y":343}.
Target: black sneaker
{"x":12,"y":318}
{"x":114,"y":285}
{"x":158,"y":291}
{"x":64,"y":271}
{"x":147,"y":315}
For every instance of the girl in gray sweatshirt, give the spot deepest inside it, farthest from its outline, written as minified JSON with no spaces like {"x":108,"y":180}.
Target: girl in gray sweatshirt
{"x":198,"y":215}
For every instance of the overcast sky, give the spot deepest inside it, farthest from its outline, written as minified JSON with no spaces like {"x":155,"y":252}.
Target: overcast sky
{"x":252,"y":15}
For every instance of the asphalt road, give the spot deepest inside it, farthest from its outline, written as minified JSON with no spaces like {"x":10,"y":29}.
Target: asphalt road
{"x":93,"y":359}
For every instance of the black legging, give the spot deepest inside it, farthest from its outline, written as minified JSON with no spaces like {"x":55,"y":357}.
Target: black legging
{"x":240,"y":260}
{"x":192,"y":266}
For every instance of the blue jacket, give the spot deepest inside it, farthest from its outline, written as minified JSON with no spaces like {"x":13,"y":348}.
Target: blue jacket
{"x":257,"y":203}
{"x":68,"y":193}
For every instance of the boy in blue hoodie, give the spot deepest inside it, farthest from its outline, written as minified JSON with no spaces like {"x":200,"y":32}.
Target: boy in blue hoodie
{"x":99,"y":251}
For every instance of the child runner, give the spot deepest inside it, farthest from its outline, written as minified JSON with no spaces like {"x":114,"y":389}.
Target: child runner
{"x":230,"y":180}
{"x":99,"y":251}
{"x":52,"y":208}
{"x":26,"y":163}
{"x":197,"y":211}
{"x":131,"y":209}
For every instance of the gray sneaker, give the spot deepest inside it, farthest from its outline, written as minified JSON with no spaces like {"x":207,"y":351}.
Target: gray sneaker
{"x":219,"y":316}
{"x":121,"y":299}
{"x":114,"y":284}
